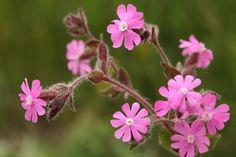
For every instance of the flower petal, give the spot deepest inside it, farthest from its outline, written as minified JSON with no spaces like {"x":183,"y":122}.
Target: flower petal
{"x":177,"y":137}
{"x":117,"y":123}
{"x":34,"y":115}
{"x":36,"y":88}
{"x":162,"y":108}
{"x":222,"y":108}
{"x":126,"y":110}
{"x":112,"y":28}
{"x":142,"y":113}
{"x":211,"y":128}
{"x":121,"y":11}
{"x":39,"y":102}
{"x":25,"y":87}
{"x":120,"y":132}
{"x":40,"y":110}
{"x":134,"y":109}
{"x":190,"y":152}
{"x":141,"y":128}
{"x":164,"y":91}
{"x":137,"y":136}
{"x":209,"y":101}
{"x":119,"y":115}
{"x":118,"y":39}
{"x":28,"y":115}
{"x":127,"y":135}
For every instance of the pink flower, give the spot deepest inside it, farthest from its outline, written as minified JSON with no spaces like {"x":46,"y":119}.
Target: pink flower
{"x":189,"y":139}
{"x":122,"y":29}
{"x":31,"y":101}
{"x":132,"y":124}
{"x":163,"y":107}
{"x":213,"y":117}
{"x":77,"y":65}
{"x":193,"y":46}
{"x":182,"y":93}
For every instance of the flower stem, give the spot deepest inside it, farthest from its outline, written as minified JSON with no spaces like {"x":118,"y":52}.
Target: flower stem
{"x":131,"y":92}
{"x":90,"y":35}
{"x":139,"y":98}
{"x":76,"y":81}
{"x":161,"y":52}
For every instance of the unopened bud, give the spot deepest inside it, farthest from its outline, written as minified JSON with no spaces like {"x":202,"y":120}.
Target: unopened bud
{"x":76,"y":23}
{"x":103,"y":57}
{"x":52,"y":92}
{"x":56,"y":106}
{"x":148,"y":33}
{"x":58,"y":96}
{"x":90,"y":49}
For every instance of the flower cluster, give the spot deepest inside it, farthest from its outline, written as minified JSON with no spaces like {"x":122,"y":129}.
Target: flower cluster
{"x":190,"y":117}
{"x":193,"y":111}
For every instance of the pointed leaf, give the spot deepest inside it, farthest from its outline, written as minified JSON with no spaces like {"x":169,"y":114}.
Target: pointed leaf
{"x":169,"y":71}
{"x":165,"y":141}
{"x":214,"y":139}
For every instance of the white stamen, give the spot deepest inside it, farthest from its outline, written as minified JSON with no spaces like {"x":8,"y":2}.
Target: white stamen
{"x":123,"y":26}
{"x":183,"y":90}
{"x":29,"y":100}
{"x":129,"y":121}
{"x":206,"y":116}
{"x":190,"y":139}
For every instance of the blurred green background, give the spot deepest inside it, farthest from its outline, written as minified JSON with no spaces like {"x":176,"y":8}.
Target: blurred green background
{"x":32,"y":44}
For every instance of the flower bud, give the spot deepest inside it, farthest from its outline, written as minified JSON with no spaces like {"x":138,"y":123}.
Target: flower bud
{"x":58,"y":96}
{"x":103,"y":57}
{"x":56,"y":106}
{"x":90,"y":49}
{"x":50,"y":93}
{"x":76,"y":23}
{"x":148,"y":33}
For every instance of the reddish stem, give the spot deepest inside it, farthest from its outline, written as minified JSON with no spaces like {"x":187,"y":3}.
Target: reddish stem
{"x":133,"y":93}
{"x":76,"y":81}
{"x":162,"y":53}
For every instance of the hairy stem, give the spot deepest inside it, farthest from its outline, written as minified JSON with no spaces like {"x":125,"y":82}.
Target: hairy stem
{"x":161,"y":52}
{"x":139,"y":98}
{"x":89,"y":34}
{"x":133,"y":93}
{"x":76,"y":81}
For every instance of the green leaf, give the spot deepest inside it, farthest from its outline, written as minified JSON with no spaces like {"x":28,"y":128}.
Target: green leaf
{"x":214,"y":139}
{"x":165,"y":141}
{"x":169,"y":71}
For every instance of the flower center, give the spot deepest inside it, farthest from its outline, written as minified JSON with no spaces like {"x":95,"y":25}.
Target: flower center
{"x":129,"y":121}
{"x":29,"y":100}
{"x":190,"y":139}
{"x":183,"y":90}
{"x":206,"y":116}
{"x":123,"y":26}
